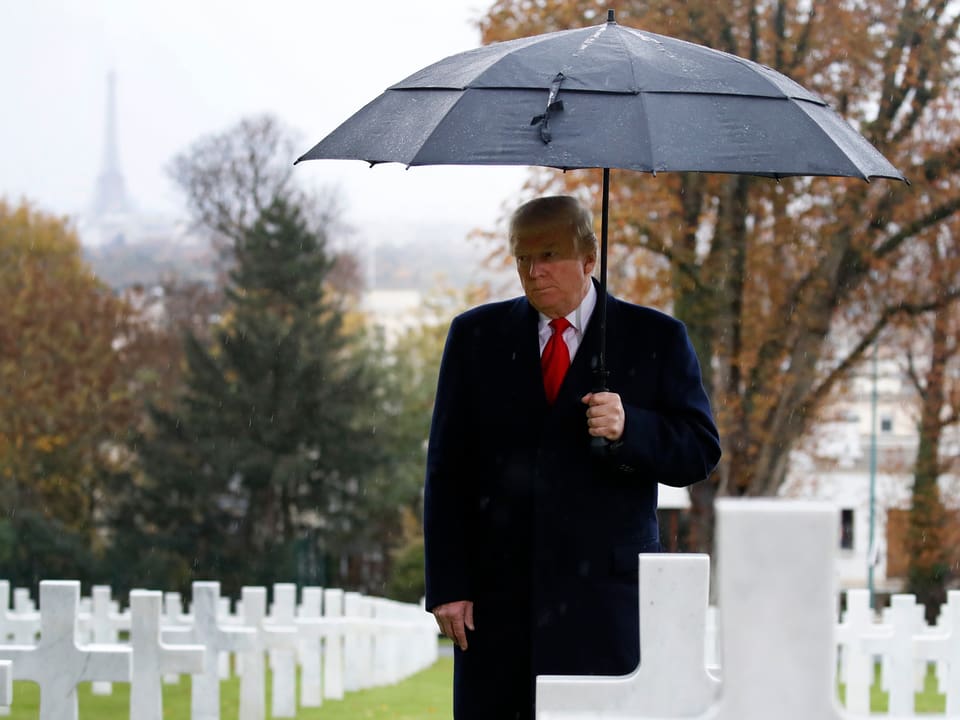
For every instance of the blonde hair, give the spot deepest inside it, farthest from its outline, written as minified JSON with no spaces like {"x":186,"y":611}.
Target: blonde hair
{"x":555,"y":211}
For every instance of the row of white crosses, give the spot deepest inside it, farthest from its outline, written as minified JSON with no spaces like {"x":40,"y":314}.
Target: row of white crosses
{"x":356,"y":641}
{"x":905,"y":645}
{"x":777,"y":601}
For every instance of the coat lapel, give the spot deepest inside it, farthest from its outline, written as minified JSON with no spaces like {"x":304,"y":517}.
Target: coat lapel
{"x":520,"y":340}
{"x":580,"y":379}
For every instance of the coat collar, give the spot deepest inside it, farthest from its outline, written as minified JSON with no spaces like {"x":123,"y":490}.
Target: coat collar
{"x":521,"y":327}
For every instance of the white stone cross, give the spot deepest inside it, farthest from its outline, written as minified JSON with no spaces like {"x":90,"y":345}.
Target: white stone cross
{"x":895,"y":645}
{"x":173,"y":610}
{"x":226,"y":618}
{"x":57,"y":663}
{"x":857,"y":627}
{"x":777,"y":605}
{"x":777,"y":602}
{"x":311,"y":609}
{"x":402,"y":631}
{"x":206,"y":631}
{"x":333,"y":646}
{"x":913,"y":623}
{"x":945,"y":648}
{"x":384,"y":640}
{"x":7,"y":623}
{"x":6,"y":683}
{"x":172,"y":619}
{"x":152,"y":657}
{"x":105,"y":624}
{"x":712,"y":642}
{"x":282,"y":645}
{"x":21,"y":625}
{"x":777,"y":589}
{"x":672,"y":679}
{"x":253,"y":673}
{"x":22,"y":602}
{"x":357,"y":643}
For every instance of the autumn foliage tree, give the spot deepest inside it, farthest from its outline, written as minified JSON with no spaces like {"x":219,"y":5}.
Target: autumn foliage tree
{"x":283,"y":454}
{"x":766,"y":273}
{"x":69,"y":382}
{"x":932,"y":353}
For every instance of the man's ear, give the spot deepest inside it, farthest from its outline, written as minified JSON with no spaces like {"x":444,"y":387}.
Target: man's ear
{"x":589,"y":262}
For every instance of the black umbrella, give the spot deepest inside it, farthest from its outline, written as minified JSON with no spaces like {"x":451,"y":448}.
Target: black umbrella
{"x":607,"y":96}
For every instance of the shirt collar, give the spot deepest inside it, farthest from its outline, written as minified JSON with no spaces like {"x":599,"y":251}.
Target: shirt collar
{"x":580,"y":316}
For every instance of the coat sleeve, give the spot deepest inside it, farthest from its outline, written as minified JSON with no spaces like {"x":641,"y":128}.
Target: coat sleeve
{"x":677,"y":442}
{"x":445,"y":507}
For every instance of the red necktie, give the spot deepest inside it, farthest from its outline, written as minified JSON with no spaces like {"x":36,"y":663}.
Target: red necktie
{"x":555,"y":359}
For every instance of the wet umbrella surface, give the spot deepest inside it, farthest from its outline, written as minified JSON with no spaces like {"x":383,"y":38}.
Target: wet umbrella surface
{"x":607,"y":96}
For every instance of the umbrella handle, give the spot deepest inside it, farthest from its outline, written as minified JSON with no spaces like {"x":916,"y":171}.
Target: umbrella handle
{"x":600,"y":447}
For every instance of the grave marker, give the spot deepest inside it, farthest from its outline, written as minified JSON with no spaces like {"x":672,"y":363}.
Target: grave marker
{"x":22,"y":625}
{"x":672,"y":679}
{"x":857,"y":662}
{"x":105,"y":625}
{"x":311,"y":687}
{"x":57,"y":663}
{"x":895,"y":645}
{"x":173,"y":618}
{"x":945,"y":649}
{"x":206,"y":631}
{"x":151,"y":657}
{"x":776,"y":563}
{"x":253,"y":673}
{"x":333,"y":645}
{"x":358,"y":644}
{"x":281,"y":626}
{"x":6,"y":683}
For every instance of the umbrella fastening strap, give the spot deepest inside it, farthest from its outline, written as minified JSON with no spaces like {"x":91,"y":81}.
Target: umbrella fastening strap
{"x":553,"y":105}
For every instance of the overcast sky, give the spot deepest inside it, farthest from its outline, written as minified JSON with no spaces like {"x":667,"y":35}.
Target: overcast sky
{"x":186,"y":68}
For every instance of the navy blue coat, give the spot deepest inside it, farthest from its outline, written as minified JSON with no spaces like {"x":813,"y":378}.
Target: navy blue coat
{"x":523,"y":520}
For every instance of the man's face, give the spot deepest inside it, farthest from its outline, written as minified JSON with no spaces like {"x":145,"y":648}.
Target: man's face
{"x":554,"y":277}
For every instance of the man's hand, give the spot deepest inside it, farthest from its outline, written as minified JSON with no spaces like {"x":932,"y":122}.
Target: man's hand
{"x":605,"y":415}
{"x":454,"y":619}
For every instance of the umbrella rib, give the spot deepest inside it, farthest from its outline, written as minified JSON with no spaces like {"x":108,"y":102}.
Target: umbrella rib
{"x":829,"y":136}
{"x":751,"y":66}
{"x":626,"y":53}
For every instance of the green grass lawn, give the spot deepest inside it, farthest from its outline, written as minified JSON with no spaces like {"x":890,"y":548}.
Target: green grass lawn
{"x":929,"y":701}
{"x":427,"y":694}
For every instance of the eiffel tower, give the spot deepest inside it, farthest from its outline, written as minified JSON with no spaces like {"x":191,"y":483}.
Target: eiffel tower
{"x":110,"y":195}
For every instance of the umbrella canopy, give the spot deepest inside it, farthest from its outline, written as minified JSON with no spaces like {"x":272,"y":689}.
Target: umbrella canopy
{"x":607,"y":96}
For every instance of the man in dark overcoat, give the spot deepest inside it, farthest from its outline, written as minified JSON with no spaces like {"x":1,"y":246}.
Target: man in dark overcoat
{"x":531,"y":538}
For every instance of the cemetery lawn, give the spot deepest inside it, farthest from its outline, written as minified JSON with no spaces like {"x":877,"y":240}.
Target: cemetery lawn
{"x":428,"y":694}
{"x":929,"y":701}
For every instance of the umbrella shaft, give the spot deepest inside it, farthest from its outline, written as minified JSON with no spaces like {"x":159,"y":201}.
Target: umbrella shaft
{"x":601,"y":375}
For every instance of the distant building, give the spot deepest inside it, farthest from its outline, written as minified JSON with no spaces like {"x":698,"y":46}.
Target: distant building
{"x":394,"y":312}
{"x":113,"y":218}
{"x":110,"y":196}
{"x":835,"y":466}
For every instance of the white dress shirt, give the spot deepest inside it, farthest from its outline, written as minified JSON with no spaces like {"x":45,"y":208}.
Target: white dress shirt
{"x":578,"y":320}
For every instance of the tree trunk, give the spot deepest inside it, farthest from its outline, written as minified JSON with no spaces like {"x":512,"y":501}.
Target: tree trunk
{"x":929,"y":561}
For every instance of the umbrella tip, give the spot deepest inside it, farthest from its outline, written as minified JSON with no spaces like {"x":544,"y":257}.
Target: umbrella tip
{"x":610,"y":18}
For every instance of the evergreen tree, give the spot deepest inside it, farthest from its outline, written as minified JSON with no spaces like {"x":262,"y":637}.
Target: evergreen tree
{"x":260,"y":471}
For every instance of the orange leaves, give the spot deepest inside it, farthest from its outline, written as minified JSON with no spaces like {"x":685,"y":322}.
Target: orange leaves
{"x":62,"y":363}
{"x":783,"y":285}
